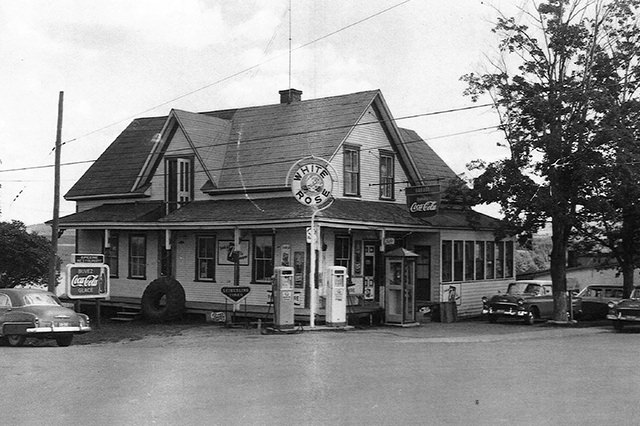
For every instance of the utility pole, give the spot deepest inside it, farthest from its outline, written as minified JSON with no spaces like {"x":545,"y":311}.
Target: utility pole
{"x":53,"y":262}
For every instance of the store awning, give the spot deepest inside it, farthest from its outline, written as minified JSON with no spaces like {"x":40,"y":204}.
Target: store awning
{"x":276,"y":212}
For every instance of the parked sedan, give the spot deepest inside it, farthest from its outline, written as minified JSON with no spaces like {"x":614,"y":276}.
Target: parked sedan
{"x":625,"y":311}
{"x":595,"y":299}
{"x":525,"y":300}
{"x":39,"y":314}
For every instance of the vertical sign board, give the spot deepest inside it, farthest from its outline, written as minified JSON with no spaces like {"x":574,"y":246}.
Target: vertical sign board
{"x":87,"y":277}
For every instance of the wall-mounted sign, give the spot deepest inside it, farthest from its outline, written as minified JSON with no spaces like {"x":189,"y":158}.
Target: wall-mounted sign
{"x":423,"y":200}
{"x":312,"y":183}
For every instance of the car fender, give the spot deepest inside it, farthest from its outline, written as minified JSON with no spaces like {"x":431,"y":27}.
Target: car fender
{"x":16,"y":322}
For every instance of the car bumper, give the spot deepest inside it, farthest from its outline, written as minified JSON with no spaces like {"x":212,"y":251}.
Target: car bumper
{"x":621,"y":317}
{"x":504,"y":312}
{"x":56,"y":330}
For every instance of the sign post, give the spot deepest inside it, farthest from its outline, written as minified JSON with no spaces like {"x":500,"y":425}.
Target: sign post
{"x":312,"y":185}
{"x":88,"y":278}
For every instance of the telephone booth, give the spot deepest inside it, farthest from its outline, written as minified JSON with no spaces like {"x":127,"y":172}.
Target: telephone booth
{"x":400,"y":283}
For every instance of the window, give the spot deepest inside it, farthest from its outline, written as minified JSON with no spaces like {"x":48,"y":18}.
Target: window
{"x":500,"y":259}
{"x":263,"y":258}
{"x":205,"y":258}
{"x":509,"y":260}
{"x":351,"y":171}
{"x":447,"y":260}
{"x":479,"y":260}
{"x":111,"y":255}
{"x":179,"y":182}
{"x":342,"y":251}
{"x":386,"y":176}
{"x":468,"y":260}
{"x":4,"y":300}
{"x":491,"y":253}
{"x":458,"y":260}
{"x":137,"y":256}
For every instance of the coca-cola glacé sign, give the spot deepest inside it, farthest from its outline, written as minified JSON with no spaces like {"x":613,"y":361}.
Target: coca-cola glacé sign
{"x":87,"y":281}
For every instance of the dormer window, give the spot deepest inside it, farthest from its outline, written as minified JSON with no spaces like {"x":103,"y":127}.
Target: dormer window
{"x":386,"y":175}
{"x":179,"y":179}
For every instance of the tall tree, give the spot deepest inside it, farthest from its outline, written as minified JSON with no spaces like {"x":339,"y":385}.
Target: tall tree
{"x":610,"y":217}
{"x":24,"y":256}
{"x":544,"y":107}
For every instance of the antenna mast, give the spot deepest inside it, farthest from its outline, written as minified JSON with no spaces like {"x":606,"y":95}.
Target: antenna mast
{"x":289,"y":48}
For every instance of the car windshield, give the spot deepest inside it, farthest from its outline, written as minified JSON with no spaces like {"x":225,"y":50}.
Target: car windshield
{"x":522,"y":288}
{"x":635,"y":294}
{"x":39,"y":299}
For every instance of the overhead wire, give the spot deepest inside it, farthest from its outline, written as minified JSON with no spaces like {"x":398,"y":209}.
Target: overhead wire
{"x":300,"y":133}
{"x":228,"y":77}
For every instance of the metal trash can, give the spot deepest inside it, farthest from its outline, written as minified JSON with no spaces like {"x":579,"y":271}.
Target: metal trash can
{"x":448,"y":312}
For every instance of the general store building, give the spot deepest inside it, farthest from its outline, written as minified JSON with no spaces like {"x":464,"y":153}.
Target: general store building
{"x":172,"y":196}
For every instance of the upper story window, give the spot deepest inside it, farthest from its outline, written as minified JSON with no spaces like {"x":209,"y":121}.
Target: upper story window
{"x":386,"y":175}
{"x":351,"y":170}
{"x":179,"y":182}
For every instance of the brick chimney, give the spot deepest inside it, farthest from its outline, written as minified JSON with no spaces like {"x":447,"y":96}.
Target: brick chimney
{"x":290,"y":95}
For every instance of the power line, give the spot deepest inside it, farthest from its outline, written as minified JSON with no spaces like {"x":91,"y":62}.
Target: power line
{"x":278,"y":160}
{"x":237,"y":73}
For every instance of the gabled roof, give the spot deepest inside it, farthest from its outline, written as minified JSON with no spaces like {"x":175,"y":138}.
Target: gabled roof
{"x":117,"y":169}
{"x":249,"y":148}
{"x":430,"y":166}
{"x":265,"y":141}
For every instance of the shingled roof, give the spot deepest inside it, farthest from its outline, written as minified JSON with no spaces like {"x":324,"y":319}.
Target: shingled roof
{"x":246,"y":148}
{"x":258,"y":142}
{"x":116,"y":170}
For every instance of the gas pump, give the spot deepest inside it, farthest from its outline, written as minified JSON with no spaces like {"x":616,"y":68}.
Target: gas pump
{"x":283,"y":297}
{"x":336,"y":308}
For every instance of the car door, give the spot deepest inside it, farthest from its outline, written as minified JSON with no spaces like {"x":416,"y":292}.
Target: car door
{"x":545,"y":301}
{"x":5,"y":305}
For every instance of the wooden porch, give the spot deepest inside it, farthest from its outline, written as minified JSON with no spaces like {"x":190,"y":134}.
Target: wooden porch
{"x":123,"y":308}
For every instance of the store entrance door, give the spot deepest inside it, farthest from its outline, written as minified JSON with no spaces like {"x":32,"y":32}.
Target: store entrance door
{"x":369,"y":271}
{"x":423,"y":273}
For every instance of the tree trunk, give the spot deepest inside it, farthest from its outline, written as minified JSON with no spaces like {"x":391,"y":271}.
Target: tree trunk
{"x":629,"y":226}
{"x":559,"y":237}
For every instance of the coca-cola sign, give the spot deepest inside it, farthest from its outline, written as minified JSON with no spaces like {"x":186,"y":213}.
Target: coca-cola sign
{"x":84,"y":281}
{"x":423,"y":200}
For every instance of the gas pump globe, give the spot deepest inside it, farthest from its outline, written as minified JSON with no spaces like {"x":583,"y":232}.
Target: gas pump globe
{"x":400,"y":284}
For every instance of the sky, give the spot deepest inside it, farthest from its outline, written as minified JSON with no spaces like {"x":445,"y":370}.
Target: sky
{"x":116,"y":60}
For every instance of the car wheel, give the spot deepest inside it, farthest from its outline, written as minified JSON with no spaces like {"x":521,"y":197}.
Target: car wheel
{"x":618,"y":325}
{"x":64,"y":340}
{"x":163,"y":300}
{"x":16,"y":340}
{"x":493,"y":318}
{"x":530,"y":318}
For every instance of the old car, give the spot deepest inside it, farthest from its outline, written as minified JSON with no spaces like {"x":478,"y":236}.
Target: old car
{"x":595,"y":300}
{"x":26,"y":312}
{"x":526,"y":300}
{"x":625,"y":311}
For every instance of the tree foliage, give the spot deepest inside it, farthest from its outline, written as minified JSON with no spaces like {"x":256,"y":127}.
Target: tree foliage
{"x":610,"y":217}
{"x":24,"y":256}
{"x":551,"y":110}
